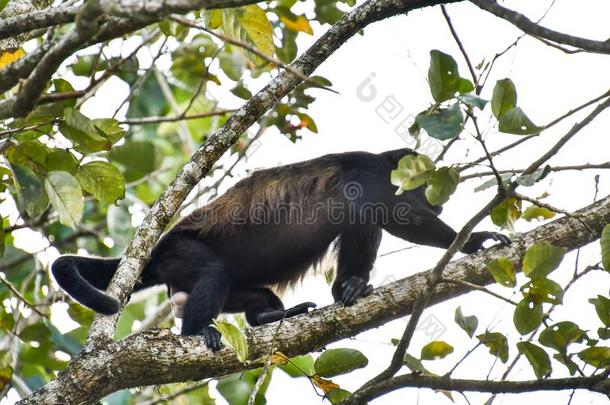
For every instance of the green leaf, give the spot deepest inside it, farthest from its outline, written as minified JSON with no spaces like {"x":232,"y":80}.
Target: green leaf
{"x":464,"y":86}
{"x":528,"y":316}
{"x":507,"y":212}
{"x":299,"y":366}
{"x":3,"y":4}
{"x":504,"y":97}
{"x":30,"y":190}
{"x":497,"y":344}
{"x":233,"y":64}
{"x":212,"y":18}
{"x":543,"y":290}
{"x":337,"y":395}
{"x":596,"y":356}
{"x":529,"y":180}
{"x":139,"y":158}
{"x":83,"y":133}
{"x":38,"y":332}
{"x":560,"y":335}
{"x":602,"y":307}
{"x":441,"y":185}
{"x":118,"y":220}
{"x":250,"y":25}
{"x":102,"y":180}
{"x":473,"y":100}
{"x":605,"y":244}
{"x":442,"y":123}
{"x":567,"y":361}
{"x":81,"y":314}
{"x":236,"y":388}
{"x":436,"y":350}
{"x":541,"y":259}
{"x":339,"y":361}
{"x":414,"y":364}
{"x":538,"y":213}
{"x":413,"y":171}
{"x":515,"y":122}
{"x":467,"y":323}
{"x":66,"y":197}
{"x":443,"y":76}
{"x":289,"y":48}
{"x":110,"y":128}
{"x":503,"y":271}
{"x":538,"y":358}
{"x":234,"y":338}
{"x":61,"y":160}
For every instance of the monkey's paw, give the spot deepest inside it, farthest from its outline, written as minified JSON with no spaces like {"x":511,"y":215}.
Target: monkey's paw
{"x":354,"y":288}
{"x":475,"y":243}
{"x":212,"y":338}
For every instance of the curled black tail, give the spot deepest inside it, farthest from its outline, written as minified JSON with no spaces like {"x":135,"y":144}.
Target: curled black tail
{"x":84,"y":278}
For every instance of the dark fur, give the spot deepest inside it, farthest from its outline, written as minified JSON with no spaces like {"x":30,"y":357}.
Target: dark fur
{"x":267,"y":231}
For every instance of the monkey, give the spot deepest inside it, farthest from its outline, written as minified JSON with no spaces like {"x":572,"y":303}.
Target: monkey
{"x":263,"y":235}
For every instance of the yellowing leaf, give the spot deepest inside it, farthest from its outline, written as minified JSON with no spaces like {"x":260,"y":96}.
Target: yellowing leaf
{"x":10,"y":56}
{"x":250,"y":24}
{"x":301,"y":24}
{"x":325,"y":385}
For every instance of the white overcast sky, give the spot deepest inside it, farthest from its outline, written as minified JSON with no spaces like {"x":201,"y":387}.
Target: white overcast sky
{"x":395,"y":52}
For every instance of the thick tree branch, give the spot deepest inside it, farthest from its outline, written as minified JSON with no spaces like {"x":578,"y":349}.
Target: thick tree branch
{"x":159,"y":357}
{"x":26,"y":22}
{"x":529,"y":27}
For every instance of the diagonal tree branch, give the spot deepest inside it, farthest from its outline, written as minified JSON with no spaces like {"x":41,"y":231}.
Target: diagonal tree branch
{"x":529,"y":27}
{"x":159,"y":357}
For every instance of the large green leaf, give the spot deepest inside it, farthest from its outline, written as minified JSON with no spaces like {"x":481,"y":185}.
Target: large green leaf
{"x":538,"y":358}
{"x":543,"y":290}
{"x":527,"y":317}
{"x":30,"y":190}
{"x":541,"y":259}
{"x":442,"y":123}
{"x":339,"y":361}
{"x":514,"y":121}
{"x":560,"y":335}
{"x":504,"y":97}
{"x":596,"y":356}
{"x":250,"y":25}
{"x":443,"y":76}
{"x":441,"y":185}
{"x":61,"y":160}
{"x":66,"y":197}
{"x":102,"y":180}
{"x":503,"y":271}
{"x":538,"y":213}
{"x":299,"y":366}
{"x":83,"y":133}
{"x":413,"y":171}
{"x":507,"y":212}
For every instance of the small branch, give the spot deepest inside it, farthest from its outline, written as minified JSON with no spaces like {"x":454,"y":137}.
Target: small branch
{"x":585,"y":166}
{"x":21,"y":298}
{"x":158,"y":120}
{"x":478,"y":288}
{"x":597,"y":383}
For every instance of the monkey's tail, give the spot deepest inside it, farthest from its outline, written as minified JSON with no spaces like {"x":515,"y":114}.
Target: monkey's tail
{"x":84,"y":278}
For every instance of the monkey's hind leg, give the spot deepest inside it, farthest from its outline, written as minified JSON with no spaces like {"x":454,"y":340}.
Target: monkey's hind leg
{"x":262,"y":306}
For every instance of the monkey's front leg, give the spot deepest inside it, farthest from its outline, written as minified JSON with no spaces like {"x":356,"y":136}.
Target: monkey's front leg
{"x":277,"y":314}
